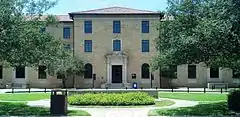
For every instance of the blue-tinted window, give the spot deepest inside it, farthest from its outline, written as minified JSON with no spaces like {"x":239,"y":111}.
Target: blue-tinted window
{"x":66,"y":32}
{"x":116,"y":27}
{"x":87,"y":45}
{"x":67,"y":46}
{"x":88,"y":26}
{"x":145,"y":45}
{"x":116,"y":45}
{"x":145,"y":26}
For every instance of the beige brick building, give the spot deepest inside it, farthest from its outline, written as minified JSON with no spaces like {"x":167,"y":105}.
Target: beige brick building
{"x":117,"y":45}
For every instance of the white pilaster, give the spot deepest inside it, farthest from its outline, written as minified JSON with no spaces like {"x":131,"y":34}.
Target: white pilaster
{"x":108,"y":71}
{"x":125,"y":71}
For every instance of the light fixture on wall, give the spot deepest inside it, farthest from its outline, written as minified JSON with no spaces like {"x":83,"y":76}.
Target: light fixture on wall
{"x":134,"y":76}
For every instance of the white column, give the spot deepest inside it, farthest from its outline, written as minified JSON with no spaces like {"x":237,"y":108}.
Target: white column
{"x":125,"y":70}
{"x":110,"y":73}
{"x":108,"y":70}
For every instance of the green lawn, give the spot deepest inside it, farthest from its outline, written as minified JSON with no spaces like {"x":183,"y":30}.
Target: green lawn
{"x":24,"y":96}
{"x":21,"y":109}
{"x":194,"y":96}
{"x":214,"y":109}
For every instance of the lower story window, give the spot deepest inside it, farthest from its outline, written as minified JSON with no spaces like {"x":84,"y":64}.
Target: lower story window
{"x":20,"y":72}
{"x":192,"y":71}
{"x":214,"y":73}
{"x":145,"y":71}
{"x":169,"y":72}
{"x":42,"y":74}
{"x":1,"y":72}
{"x":60,"y":76}
{"x":88,"y":71}
{"x":235,"y":74}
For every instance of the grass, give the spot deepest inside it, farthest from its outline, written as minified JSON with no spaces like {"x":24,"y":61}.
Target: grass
{"x":207,"y":109}
{"x":24,"y":96}
{"x":21,"y":109}
{"x":157,"y":104}
{"x":194,"y":96}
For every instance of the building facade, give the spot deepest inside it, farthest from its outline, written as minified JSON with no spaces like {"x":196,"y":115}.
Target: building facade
{"x":117,"y":45}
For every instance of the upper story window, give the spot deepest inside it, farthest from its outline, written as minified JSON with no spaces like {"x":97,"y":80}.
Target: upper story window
{"x":116,"y":45}
{"x":192,"y":72}
{"x":67,"y":46}
{"x":87,"y":45}
{"x":88,"y":26}
{"x":214,"y":73}
{"x":66,"y":32}
{"x":117,"y":26}
{"x":145,"y":45}
{"x":145,"y":26}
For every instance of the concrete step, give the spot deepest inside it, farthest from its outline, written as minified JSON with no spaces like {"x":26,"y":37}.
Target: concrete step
{"x":116,"y":86}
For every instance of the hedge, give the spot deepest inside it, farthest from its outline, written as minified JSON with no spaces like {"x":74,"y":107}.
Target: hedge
{"x":234,"y":100}
{"x":111,"y":99}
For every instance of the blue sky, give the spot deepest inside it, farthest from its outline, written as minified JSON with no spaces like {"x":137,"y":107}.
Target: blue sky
{"x":66,"y":6}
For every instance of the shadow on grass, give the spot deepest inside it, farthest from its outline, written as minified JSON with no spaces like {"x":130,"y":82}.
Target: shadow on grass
{"x":157,"y":104}
{"x":214,"y":109}
{"x":21,"y":109}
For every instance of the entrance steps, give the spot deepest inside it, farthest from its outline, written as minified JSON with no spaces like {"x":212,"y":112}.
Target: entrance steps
{"x":116,"y":85}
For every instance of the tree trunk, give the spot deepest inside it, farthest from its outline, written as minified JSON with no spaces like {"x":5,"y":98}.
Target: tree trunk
{"x":64,"y":82}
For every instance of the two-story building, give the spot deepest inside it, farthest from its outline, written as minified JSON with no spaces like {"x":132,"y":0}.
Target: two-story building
{"x":117,"y":45}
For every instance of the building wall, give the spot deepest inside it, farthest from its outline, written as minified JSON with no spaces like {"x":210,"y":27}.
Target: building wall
{"x":102,"y":37}
{"x":203,"y":77}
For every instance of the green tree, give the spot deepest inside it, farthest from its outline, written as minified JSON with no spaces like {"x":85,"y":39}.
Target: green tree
{"x":24,"y":43}
{"x":21,"y":39}
{"x":69,"y":67}
{"x":197,"y":31}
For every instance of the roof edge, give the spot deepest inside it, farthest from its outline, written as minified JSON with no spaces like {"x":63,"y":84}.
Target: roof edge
{"x":155,"y":13}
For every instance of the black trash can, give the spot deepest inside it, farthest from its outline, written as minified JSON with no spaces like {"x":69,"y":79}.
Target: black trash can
{"x":58,"y":103}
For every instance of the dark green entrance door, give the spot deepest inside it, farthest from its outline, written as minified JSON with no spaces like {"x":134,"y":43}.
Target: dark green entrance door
{"x":117,"y":74}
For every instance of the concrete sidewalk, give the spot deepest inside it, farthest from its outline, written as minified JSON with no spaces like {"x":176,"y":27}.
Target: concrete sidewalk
{"x":119,"y":112}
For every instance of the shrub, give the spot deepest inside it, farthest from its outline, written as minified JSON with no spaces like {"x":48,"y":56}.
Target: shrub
{"x":112,"y":99}
{"x":234,"y":101}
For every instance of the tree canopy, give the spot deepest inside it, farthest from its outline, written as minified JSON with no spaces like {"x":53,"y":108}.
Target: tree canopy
{"x":195,"y":31}
{"x":23,"y":39}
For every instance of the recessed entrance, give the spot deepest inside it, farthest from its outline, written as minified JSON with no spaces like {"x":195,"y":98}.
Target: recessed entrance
{"x":116,"y":73}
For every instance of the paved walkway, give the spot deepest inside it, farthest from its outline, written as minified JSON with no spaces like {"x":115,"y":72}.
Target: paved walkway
{"x":119,"y":112}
